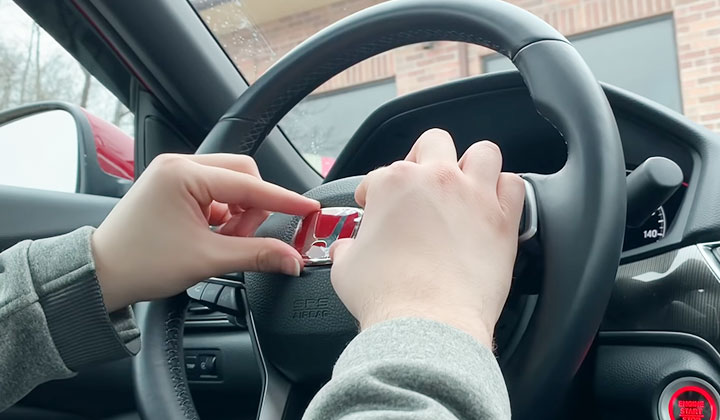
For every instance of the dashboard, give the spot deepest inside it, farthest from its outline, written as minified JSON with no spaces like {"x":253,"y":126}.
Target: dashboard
{"x":499,"y":108}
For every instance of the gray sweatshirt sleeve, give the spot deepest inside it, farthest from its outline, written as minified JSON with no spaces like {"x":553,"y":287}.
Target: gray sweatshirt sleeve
{"x":53,"y":321}
{"x":413,"y":369}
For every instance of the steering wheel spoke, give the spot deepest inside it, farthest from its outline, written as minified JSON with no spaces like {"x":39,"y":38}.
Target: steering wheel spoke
{"x":529,"y":221}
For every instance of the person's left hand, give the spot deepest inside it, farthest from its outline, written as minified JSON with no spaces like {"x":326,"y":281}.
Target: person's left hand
{"x":156,"y":242}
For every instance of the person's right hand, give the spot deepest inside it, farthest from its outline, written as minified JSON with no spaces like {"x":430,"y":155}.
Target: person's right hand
{"x":156,"y":242}
{"x":438,"y":239}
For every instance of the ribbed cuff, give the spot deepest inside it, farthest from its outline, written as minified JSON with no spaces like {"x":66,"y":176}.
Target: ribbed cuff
{"x":63,"y":274}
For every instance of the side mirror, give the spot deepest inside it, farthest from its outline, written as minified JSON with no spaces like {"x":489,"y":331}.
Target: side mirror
{"x":60,"y":146}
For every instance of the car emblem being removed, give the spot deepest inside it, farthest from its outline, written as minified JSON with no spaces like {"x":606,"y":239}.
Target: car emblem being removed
{"x":317,"y":232}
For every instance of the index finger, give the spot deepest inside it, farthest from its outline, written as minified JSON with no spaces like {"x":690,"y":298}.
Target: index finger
{"x":433,"y":146}
{"x":230,"y":187}
{"x":238,"y":163}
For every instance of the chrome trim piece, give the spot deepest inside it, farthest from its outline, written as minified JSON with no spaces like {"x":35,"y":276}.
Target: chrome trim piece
{"x":209,"y":323}
{"x":710,"y":258}
{"x":334,"y":236}
{"x":276,"y":389}
{"x":530,"y":211}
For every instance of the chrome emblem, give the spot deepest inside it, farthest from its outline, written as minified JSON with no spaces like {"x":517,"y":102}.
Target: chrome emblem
{"x":316,"y":232}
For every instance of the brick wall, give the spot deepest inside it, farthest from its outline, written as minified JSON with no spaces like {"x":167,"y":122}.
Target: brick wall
{"x":697,"y":25}
{"x":697,"y":28}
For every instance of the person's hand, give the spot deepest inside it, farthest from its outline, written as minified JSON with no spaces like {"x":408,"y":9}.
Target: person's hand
{"x":438,"y":239}
{"x":157,"y":242}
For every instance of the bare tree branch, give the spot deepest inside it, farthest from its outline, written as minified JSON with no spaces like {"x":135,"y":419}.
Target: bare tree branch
{"x":28,"y":59}
{"x":86,"y":88}
{"x":38,"y":87}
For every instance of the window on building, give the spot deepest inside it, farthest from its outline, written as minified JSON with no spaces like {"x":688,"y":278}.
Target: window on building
{"x":613,"y":56}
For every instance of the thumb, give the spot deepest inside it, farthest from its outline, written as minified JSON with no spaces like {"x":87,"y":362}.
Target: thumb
{"x":231,"y":254}
{"x":339,"y":248}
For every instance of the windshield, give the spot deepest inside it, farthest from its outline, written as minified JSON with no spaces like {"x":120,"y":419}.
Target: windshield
{"x":668,"y":51}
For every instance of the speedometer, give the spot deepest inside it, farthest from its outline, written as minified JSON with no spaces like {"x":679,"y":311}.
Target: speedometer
{"x":651,"y":231}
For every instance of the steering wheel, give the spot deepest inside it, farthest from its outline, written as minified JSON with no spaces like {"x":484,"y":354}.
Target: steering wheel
{"x":580,"y":212}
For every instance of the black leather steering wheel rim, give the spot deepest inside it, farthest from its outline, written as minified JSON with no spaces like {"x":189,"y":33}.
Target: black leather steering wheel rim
{"x":581,"y":207}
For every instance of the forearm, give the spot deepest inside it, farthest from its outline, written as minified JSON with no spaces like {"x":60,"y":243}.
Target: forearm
{"x":52,"y":317}
{"x":413,"y":369}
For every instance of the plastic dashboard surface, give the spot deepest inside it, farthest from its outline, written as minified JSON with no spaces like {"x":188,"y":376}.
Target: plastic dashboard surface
{"x":498,"y":107}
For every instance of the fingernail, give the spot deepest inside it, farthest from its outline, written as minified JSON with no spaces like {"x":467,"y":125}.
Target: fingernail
{"x":291,"y":266}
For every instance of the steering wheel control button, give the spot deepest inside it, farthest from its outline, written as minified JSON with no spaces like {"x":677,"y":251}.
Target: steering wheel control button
{"x":202,"y":364}
{"x":689,"y":399}
{"x":196,"y":291}
{"x":318,"y":231}
{"x":190,"y":365}
{"x":227,"y":301}
{"x":207,"y":365}
{"x":211,"y":293}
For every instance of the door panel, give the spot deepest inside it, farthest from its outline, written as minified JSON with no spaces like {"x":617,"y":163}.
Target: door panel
{"x":31,"y":214}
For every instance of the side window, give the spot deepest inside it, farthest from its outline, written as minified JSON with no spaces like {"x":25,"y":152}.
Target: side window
{"x":60,"y":129}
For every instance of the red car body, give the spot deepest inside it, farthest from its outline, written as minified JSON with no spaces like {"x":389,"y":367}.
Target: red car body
{"x":115,"y":149}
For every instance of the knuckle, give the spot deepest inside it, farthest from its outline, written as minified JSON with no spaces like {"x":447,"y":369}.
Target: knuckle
{"x":397,"y":172}
{"x":484,"y":149}
{"x":516,"y":183}
{"x":482,"y":152}
{"x":168,"y":161}
{"x":165,"y":158}
{"x":435,"y":134}
{"x":445,"y":174}
{"x":264,"y":256}
{"x":400,"y":166}
{"x":373,"y":174}
{"x":247,"y":162}
{"x":488,"y":147}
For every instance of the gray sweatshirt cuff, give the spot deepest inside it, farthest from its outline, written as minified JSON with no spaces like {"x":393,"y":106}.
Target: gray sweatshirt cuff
{"x":63,"y":274}
{"x":413,"y":369}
